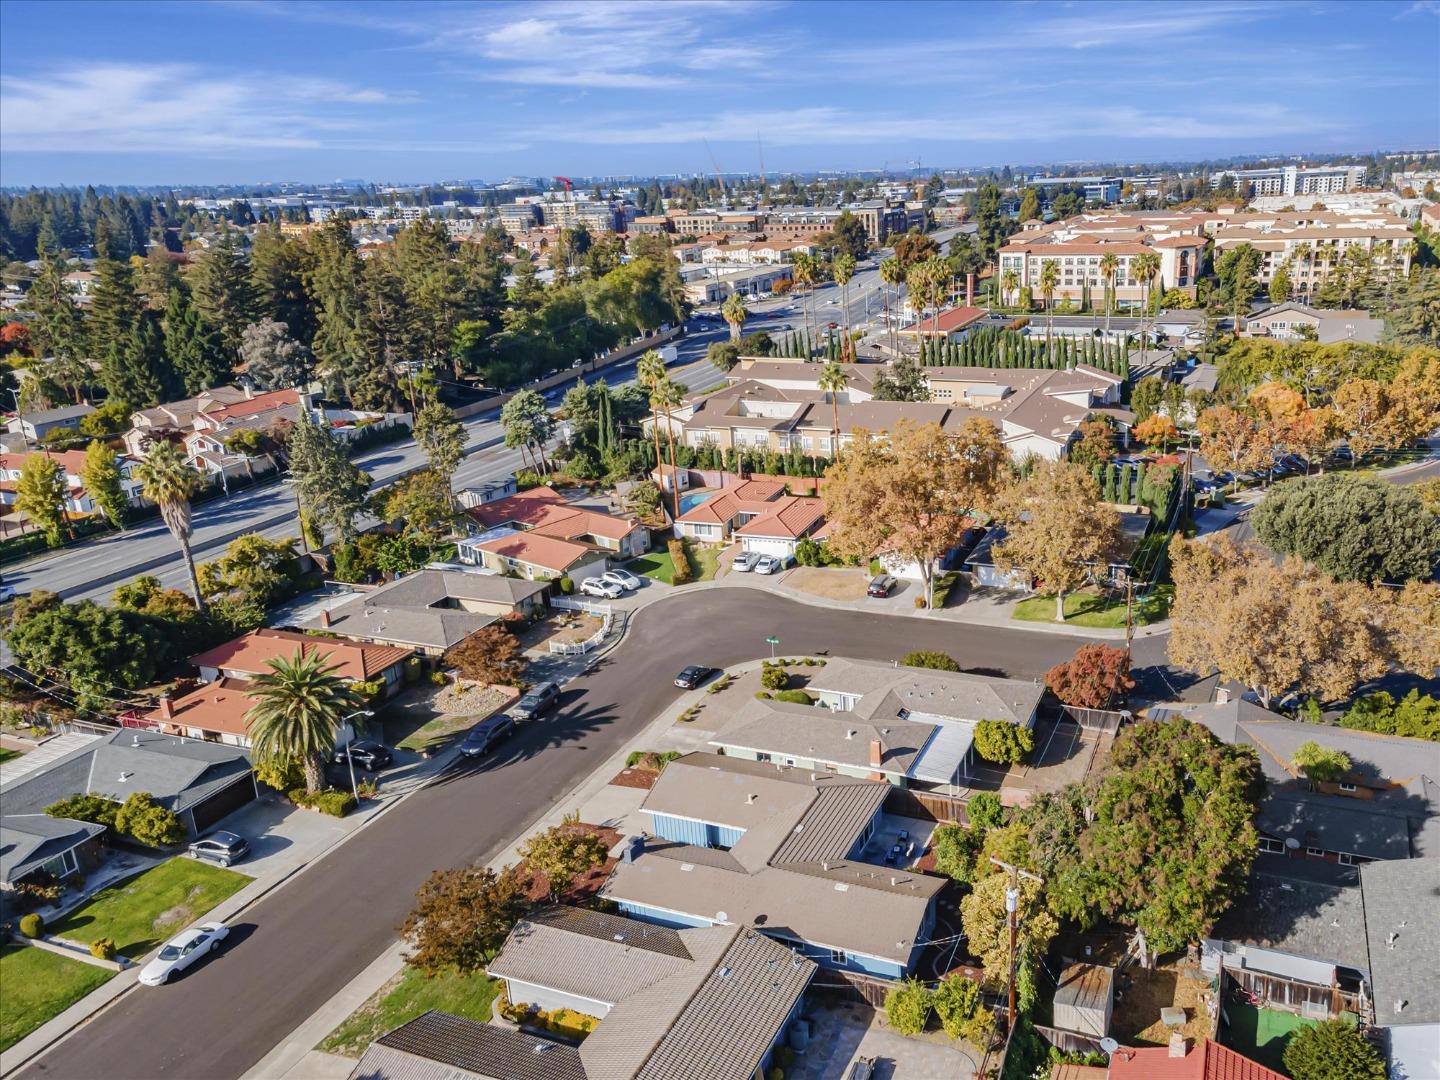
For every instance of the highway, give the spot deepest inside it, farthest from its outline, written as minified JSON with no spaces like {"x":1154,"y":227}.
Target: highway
{"x":292,"y":951}
{"x":92,"y":570}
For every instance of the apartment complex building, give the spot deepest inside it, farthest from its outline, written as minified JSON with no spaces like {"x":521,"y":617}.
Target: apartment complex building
{"x":1313,"y":244}
{"x":1292,"y":179}
{"x":1078,"y":244}
{"x":1103,"y":189}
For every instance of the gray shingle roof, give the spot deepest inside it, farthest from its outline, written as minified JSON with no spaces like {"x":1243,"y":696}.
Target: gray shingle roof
{"x":782,"y":727}
{"x":1336,"y":823}
{"x":29,"y":840}
{"x":883,"y":688}
{"x":1403,"y":898}
{"x":1307,"y":919}
{"x":438,"y":1046}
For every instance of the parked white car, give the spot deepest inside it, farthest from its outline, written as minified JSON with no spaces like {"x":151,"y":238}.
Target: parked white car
{"x":623,"y":578}
{"x":595,"y":586}
{"x":184,"y":949}
{"x":745,"y":562}
{"x":770,"y":564}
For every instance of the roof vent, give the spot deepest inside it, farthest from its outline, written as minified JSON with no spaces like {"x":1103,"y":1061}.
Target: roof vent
{"x":687,"y":866}
{"x":840,"y":886}
{"x":1400,"y":1004}
{"x":135,"y":739}
{"x":124,"y":776}
{"x":724,"y":972}
{"x":851,"y":733}
{"x":750,"y":799}
{"x":1390,"y":939}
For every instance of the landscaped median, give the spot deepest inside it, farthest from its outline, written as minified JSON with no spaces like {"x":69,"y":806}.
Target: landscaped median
{"x":38,"y":985}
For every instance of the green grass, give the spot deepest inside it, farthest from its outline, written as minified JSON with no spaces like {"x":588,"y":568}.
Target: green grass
{"x":405,"y":997}
{"x":657,"y":565}
{"x":1261,"y":1034}
{"x":141,"y":912}
{"x":8,"y":755}
{"x":704,"y":560}
{"x":1095,"y":610}
{"x":40,"y":985}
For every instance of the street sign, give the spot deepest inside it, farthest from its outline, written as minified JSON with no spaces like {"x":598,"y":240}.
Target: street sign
{"x":772,"y":640}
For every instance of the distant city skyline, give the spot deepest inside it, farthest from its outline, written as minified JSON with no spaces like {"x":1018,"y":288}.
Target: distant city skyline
{"x":249,"y":92}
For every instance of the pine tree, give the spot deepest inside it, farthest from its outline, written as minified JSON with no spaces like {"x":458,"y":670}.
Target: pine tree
{"x":147,"y":377}
{"x":194,"y":350}
{"x":114,"y":309}
{"x":224,"y":293}
{"x":58,"y":327}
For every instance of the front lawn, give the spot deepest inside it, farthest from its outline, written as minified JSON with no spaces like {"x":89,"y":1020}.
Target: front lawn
{"x":141,"y":912}
{"x":40,"y":985}
{"x":657,"y":565}
{"x":407,"y":996}
{"x":704,"y":562}
{"x":1097,"y":610}
{"x":8,"y":755}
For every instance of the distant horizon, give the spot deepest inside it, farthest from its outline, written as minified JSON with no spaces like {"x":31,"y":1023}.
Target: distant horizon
{"x":133,"y":94}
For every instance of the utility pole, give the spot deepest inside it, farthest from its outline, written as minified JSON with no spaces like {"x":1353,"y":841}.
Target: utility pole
{"x":1129,"y":612}
{"x":1012,"y":905}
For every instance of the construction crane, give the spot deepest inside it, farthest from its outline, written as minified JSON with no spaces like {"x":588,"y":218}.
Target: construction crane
{"x":724,"y":194}
{"x":764,"y":189}
{"x":569,"y":186}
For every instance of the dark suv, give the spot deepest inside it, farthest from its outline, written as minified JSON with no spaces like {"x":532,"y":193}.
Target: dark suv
{"x":880,"y":585}
{"x":366,"y":753}
{"x":483,"y":737}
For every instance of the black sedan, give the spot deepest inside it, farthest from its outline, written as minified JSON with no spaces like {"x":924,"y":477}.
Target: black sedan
{"x":366,"y":753}
{"x":693,"y":676}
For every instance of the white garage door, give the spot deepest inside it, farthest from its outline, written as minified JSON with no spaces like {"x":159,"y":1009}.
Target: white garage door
{"x":768,"y":546}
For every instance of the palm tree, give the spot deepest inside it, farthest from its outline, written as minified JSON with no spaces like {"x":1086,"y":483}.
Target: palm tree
{"x":168,"y":482}
{"x":807,"y":272}
{"x":299,"y":705}
{"x":735,"y":313}
{"x":891,"y":273}
{"x":1109,"y":267}
{"x":649,"y":371}
{"x":1049,"y":279}
{"x":843,"y":269}
{"x":1009,"y":286}
{"x":833,"y":381}
{"x":1144,"y":267}
{"x":665,"y":395}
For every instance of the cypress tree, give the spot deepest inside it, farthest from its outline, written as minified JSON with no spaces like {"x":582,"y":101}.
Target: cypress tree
{"x":193,"y":349}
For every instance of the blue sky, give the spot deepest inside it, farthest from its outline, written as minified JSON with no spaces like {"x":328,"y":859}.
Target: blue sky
{"x":207,"y":92}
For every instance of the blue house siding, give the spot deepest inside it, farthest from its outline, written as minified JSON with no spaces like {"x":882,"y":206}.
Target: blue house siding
{"x":863,"y":965}
{"x":697,"y":833}
{"x":662,"y":918}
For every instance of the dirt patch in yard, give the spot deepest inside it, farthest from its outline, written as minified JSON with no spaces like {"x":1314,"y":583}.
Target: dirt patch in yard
{"x":831,"y":583}
{"x":636,"y":778}
{"x":1137,"y":1011}
{"x":178,"y":915}
{"x":566,"y":628}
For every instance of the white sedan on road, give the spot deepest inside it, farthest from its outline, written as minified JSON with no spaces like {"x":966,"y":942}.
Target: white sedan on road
{"x":182,"y":950}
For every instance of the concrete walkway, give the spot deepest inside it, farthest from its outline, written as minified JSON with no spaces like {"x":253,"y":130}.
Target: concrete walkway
{"x":44,"y":755}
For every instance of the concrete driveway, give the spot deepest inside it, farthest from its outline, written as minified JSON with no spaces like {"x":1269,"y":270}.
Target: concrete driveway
{"x":845,"y":1032}
{"x":283,"y":837}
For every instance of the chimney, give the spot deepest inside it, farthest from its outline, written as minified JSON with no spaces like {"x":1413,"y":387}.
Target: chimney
{"x":167,"y":707}
{"x":877,"y":755}
{"x":325,"y":618}
{"x":1177,"y":1045}
{"x":970,"y":289}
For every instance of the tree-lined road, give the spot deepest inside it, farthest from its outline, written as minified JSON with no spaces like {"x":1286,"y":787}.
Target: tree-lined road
{"x":303,"y":943}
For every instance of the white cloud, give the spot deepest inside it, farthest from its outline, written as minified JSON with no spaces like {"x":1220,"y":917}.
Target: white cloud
{"x":174,"y":107}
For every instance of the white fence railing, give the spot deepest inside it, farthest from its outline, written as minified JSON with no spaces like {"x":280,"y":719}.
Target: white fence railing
{"x":604,"y":612}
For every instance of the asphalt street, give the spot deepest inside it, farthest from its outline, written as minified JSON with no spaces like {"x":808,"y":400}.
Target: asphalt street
{"x":93,"y":570}
{"x":303,"y":943}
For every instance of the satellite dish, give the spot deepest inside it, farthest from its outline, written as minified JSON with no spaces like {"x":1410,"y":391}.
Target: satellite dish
{"x":1109,"y":1046}
{"x":1292,"y":843}
{"x":721,"y":916}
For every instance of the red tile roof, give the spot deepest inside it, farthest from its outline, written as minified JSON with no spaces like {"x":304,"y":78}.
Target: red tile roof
{"x":1206,"y":1061}
{"x":258,"y":404}
{"x":947,"y":322}
{"x":792,"y":517}
{"x":72,"y":461}
{"x":216,"y":706}
{"x":536,"y":549}
{"x":518,"y":507}
{"x":545,"y":511}
{"x":251,"y":652}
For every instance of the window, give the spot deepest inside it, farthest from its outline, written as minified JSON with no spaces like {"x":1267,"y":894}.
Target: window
{"x":1346,"y":787}
{"x":839,"y":956}
{"x":1271,"y":847}
{"x":1315,"y":852}
{"x":789,"y":761}
{"x":762,"y":757}
{"x":1346,"y":859}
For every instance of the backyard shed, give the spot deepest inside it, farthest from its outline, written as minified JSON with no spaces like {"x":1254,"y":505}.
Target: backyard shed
{"x":1084,"y":999}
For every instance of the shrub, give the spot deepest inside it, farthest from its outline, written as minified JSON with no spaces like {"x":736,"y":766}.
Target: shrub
{"x":282,"y":774}
{"x":795,"y":697}
{"x":567,"y":585}
{"x":1332,"y":1050}
{"x":919,"y":602}
{"x":956,"y":849}
{"x":1003,"y":743}
{"x":650,"y":759}
{"x":763,"y":695}
{"x":776,"y":1073}
{"x":681,"y":560}
{"x":719,"y":684}
{"x":937,"y":661}
{"x":103,"y":948}
{"x":957,"y":999}
{"x":527,"y":478}
{"x":143,"y":819}
{"x":32,"y":926}
{"x":437,"y":678}
{"x":774,"y":677}
{"x":985,"y":811}
{"x":908,"y":1007}
{"x":332,"y":802}
{"x":85,"y":808}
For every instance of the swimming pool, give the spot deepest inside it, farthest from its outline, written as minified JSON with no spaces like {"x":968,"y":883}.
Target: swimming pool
{"x":692,"y":500}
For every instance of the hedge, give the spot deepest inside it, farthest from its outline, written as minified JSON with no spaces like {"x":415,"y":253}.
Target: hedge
{"x":332,"y":802}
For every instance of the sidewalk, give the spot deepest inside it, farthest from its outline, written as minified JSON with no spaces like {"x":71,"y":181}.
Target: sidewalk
{"x":394,"y":791}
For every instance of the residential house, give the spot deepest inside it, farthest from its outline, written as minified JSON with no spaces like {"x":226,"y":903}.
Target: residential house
{"x":1290,"y":320}
{"x":174,"y":418}
{"x":984,"y":573}
{"x":1385,"y":806}
{"x":1207,"y":1060}
{"x":250,"y":655}
{"x":72,"y":464}
{"x":910,"y":727}
{"x":709,"y":1001}
{"x":36,"y":425}
{"x":1402,"y":926}
{"x":543,"y":511}
{"x":431,"y":611}
{"x":198,"y":781}
{"x":780,"y":850}
{"x":36,"y":844}
{"x":757,"y":513}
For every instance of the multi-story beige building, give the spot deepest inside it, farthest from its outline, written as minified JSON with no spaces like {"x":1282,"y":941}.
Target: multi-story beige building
{"x":1313,"y":244}
{"x":1292,"y":179}
{"x":1077,"y":245}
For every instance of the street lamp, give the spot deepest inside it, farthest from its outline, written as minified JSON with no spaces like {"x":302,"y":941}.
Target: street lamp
{"x":349,"y":759}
